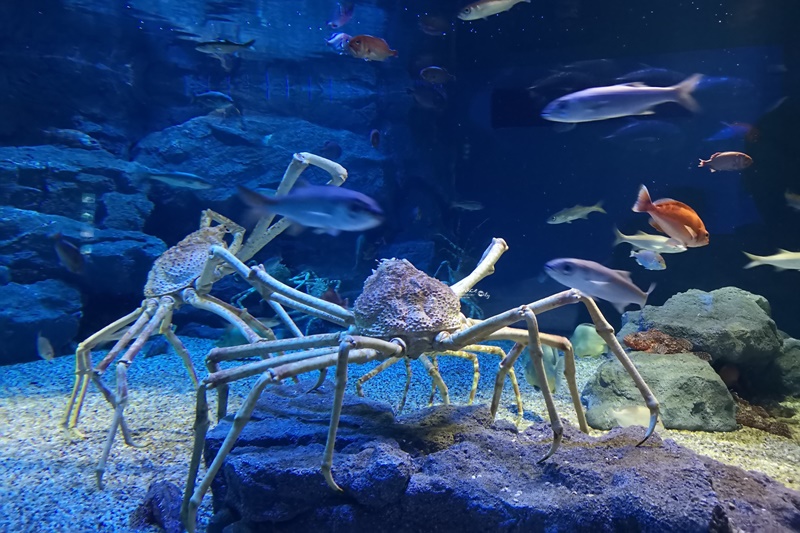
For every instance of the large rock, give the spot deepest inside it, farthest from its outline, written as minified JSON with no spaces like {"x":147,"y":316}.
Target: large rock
{"x":786,"y":368}
{"x":691,"y":394}
{"x":126,"y":212}
{"x":732,"y":325}
{"x":49,"y":307}
{"x":450,"y":469}
{"x":117,"y":262}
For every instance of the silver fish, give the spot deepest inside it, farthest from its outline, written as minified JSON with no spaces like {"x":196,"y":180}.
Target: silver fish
{"x":328,"y":208}
{"x":566,"y":216}
{"x":466,"y":205}
{"x":487,"y":8}
{"x":646,"y":241}
{"x":597,"y":281}
{"x":180,"y":180}
{"x":601,"y":103}
{"x":783,"y":260}
{"x":73,"y":138}
{"x":792,"y":200}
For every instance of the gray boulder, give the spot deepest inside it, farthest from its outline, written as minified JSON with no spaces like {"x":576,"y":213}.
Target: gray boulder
{"x":117,"y":262}
{"x":787,"y":368}
{"x":732,"y":325}
{"x":49,"y":307}
{"x":691,"y":394}
{"x":449,"y":468}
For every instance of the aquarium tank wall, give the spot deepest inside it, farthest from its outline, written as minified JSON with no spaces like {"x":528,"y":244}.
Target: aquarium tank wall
{"x":399,"y":266}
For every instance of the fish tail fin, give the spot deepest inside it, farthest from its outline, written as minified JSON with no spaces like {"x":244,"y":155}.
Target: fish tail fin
{"x":599,"y":207}
{"x":619,"y":238}
{"x":647,"y":294}
{"x":249,"y":44}
{"x":393,"y":53}
{"x":755,"y":260}
{"x":684,"y":90}
{"x":255,"y":199}
{"x":643,"y":202}
{"x":703,"y":163}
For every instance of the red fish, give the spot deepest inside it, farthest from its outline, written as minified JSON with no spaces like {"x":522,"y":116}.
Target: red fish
{"x":673,"y":218}
{"x":370,"y":48}
{"x":727,"y":161}
{"x":342,"y":14}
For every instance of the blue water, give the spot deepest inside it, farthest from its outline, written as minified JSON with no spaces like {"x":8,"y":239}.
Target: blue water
{"x":126,"y":75}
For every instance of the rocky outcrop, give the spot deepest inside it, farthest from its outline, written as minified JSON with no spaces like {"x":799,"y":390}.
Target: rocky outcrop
{"x":691,"y":394}
{"x":732,"y":325}
{"x":50,"y":308}
{"x":450,"y":468}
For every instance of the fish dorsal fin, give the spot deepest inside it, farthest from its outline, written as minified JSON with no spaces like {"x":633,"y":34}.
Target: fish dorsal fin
{"x":692,"y":232}
{"x":676,"y":203}
{"x":783,"y":251}
{"x":715,"y":154}
{"x":665,"y":200}
{"x":624,"y":273}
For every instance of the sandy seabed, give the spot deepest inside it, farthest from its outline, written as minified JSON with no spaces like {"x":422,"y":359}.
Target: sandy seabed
{"x":47,"y":479}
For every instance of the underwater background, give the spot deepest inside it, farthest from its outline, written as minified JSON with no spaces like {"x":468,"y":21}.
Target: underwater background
{"x":122,"y":121}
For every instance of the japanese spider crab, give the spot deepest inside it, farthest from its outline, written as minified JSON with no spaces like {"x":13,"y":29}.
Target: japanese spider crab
{"x":402,"y":313}
{"x":184,"y":274}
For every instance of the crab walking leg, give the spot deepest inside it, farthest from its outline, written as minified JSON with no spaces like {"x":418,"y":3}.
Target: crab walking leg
{"x":476,"y":369}
{"x":285,"y":318}
{"x":496,"y":350}
{"x":231,"y":316}
{"x":435,"y":362}
{"x":200,"y":429}
{"x":561,"y":343}
{"x":121,"y":400}
{"x":485,"y":267}
{"x":259,"y":367}
{"x":258,"y":277}
{"x":407,"y":361}
{"x":374,"y":372}
{"x":83,"y":364}
{"x":394,"y":348}
{"x":270,"y":377}
{"x":606,"y":332}
{"x":499,"y":381}
{"x":177,"y":345}
{"x":263,"y":347}
{"x":438,"y":382}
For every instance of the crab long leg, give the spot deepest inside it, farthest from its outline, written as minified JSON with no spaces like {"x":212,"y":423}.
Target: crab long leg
{"x":83,"y":364}
{"x":393,"y":348}
{"x":485,"y":267}
{"x":561,"y":343}
{"x":272,"y":376}
{"x":606,"y":332}
{"x":164,"y":310}
{"x":496,"y":350}
{"x":438,"y":382}
{"x":374,"y":372}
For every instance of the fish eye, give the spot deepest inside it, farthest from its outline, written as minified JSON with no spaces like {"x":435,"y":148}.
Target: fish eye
{"x":466,"y":10}
{"x":566,"y":268}
{"x":357,"y":42}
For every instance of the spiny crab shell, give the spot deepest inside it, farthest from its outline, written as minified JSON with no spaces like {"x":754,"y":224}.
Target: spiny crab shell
{"x":401,"y":301}
{"x":178,"y":267}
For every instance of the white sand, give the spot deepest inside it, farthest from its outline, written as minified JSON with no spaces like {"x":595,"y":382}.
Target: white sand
{"x":48,"y":483}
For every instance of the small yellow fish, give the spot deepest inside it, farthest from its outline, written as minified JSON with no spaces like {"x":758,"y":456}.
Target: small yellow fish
{"x":566,"y":216}
{"x":44,"y":348}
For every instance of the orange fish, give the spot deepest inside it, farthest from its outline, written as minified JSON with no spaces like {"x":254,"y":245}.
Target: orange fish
{"x":673,"y":218}
{"x":727,"y":161}
{"x":370,"y":48}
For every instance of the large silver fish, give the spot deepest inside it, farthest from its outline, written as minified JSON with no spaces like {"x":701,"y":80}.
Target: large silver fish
{"x":597,"y":281}
{"x":601,"y":103}
{"x":783,"y":260}
{"x":327,"y":208}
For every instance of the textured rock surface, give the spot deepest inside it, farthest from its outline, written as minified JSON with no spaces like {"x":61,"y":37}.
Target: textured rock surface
{"x":450,"y":469}
{"x":732,"y":325}
{"x":127,"y":212}
{"x":787,"y":367}
{"x":117,"y":261}
{"x":691,"y":394}
{"x":51,"y":307}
